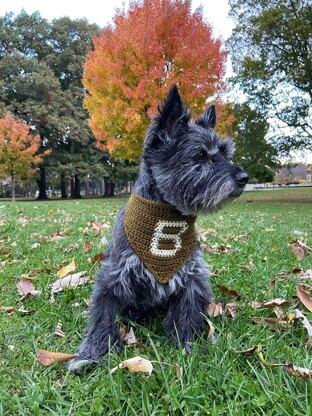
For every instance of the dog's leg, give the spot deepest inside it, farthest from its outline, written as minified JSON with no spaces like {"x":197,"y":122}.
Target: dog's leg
{"x":186,"y":309}
{"x":102,"y":332}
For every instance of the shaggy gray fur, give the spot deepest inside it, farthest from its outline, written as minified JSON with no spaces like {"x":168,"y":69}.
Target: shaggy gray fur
{"x":184,"y":164}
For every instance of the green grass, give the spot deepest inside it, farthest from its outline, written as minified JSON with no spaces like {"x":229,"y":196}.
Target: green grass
{"x":220,"y":382}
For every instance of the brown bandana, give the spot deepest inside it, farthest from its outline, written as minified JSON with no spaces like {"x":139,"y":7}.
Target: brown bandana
{"x":161,"y":236}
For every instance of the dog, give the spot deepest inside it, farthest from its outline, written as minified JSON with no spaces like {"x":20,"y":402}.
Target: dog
{"x":154,"y":259}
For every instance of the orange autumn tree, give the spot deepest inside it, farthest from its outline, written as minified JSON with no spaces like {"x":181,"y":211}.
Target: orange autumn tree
{"x":18,"y":149}
{"x":152,"y":45}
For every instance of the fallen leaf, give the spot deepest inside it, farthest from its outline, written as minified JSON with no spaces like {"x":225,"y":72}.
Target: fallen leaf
{"x":122,"y":331}
{"x":87,"y":246}
{"x":306,"y":275}
{"x":58,"y":330}
{"x":47,"y":358}
{"x":98,"y":257}
{"x":25,"y":286}
{"x":225,"y":249}
{"x":72,"y":281}
{"x":298,"y":252}
{"x":214,"y":309}
{"x":276,"y":302}
{"x":130,"y":338}
{"x":230,"y":310}
{"x":255,"y":304}
{"x":7,"y":308}
{"x":299,"y":315}
{"x":71,"y":267}
{"x":301,"y":372}
{"x":135,"y":364}
{"x":211,"y":329}
{"x":231,"y":292}
{"x":304,"y":298}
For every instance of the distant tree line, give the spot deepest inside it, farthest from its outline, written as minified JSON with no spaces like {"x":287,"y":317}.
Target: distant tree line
{"x":41,"y":67}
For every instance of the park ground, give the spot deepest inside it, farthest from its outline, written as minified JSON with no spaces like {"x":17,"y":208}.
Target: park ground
{"x":246,"y":246}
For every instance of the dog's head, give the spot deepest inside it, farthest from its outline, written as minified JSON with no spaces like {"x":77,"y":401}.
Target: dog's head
{"x":188,"y":161}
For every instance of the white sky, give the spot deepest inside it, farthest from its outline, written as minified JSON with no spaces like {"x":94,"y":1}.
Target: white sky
{"x":100,"y":11}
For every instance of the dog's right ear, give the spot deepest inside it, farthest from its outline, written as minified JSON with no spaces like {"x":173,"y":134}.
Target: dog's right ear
{"x":172,"y":115}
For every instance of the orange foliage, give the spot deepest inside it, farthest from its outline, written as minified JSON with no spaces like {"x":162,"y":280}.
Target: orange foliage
{"x":152,"y":45}
{"x":18,"y":148}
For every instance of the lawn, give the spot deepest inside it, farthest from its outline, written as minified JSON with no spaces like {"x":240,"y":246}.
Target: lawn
{"x":247,"y":246}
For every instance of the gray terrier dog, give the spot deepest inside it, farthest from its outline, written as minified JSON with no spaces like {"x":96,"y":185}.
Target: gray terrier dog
{"x":154,"y":259}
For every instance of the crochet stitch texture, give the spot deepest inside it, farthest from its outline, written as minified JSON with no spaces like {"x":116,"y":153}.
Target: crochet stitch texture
{"x":160,"y":235}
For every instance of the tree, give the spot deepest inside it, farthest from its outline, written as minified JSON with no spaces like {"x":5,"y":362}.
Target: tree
{"x":253,"y":152}
{"x":40,"y":71}
{"x":271,"y":50}
{"x":18,"y":149}
{"x":152,"y":45}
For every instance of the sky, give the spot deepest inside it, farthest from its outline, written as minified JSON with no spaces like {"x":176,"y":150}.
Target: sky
{"x":101,"y":12}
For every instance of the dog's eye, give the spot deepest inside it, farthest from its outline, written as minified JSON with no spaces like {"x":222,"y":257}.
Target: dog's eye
{"x":202,"y":155}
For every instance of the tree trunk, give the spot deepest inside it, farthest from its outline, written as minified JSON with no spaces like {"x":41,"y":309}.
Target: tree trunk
{"x":102,"y":187}
{"x":13,"y":186}
{"x":87,"y":188}
{"x":77,"y":188}
{"x":63,"y":187}
{"x":72,"y":187}
{"x":112,"y":189}
{"x":41,"y":182}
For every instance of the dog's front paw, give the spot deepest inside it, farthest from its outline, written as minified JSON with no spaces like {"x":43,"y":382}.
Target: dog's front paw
{"x":79,"y":365}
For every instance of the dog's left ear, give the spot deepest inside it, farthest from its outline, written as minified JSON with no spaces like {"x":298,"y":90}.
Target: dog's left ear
{"x":173,"y":112}
{"x":208,"y":118}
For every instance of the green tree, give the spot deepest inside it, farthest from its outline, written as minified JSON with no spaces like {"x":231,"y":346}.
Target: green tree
{"x":271,"y":50}
{"x":253,"y":152}
{"x":40,"y":71}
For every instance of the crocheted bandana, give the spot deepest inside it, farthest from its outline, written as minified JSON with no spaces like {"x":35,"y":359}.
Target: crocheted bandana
{"x":160,"y":235}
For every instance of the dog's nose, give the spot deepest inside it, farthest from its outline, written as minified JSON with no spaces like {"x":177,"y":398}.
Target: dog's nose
{"x":242,"y":178}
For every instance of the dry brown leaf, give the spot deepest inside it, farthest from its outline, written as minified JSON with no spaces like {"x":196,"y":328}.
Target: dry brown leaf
{"x":211,"y":328}
{"x":301,"y":372}
{"x":72,"y":280}
{"x":214,"y":309}
{"x":231,"y":292}
{"x":98,"y":257}
{"x":25,"y":286}
{"x":298,"y":252}
{"x":7,"y":308}
{"x":130,"y":338}
{"x":122,"y":331}
{"x":276,"y":302}
{"x":47,"y":358}
{"x":304,"y":298}
{"x":255,"y":304}
{"x":231,"y":310}
{"x":87,"y":246}
{"x":225,"y":249}
{"x":306,"y":275}
{"x":71,"y":267}
{"x":299,"y":315}
{"x":135,"y":364}
{"x":58,"y":330}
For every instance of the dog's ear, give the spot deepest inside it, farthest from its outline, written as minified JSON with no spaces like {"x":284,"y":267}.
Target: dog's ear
{"x":172,"y":116}
{"x":173,"y":113}
{"x":208,"y":118}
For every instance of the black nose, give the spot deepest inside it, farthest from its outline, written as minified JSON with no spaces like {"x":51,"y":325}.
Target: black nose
{"x":242,"y":178}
